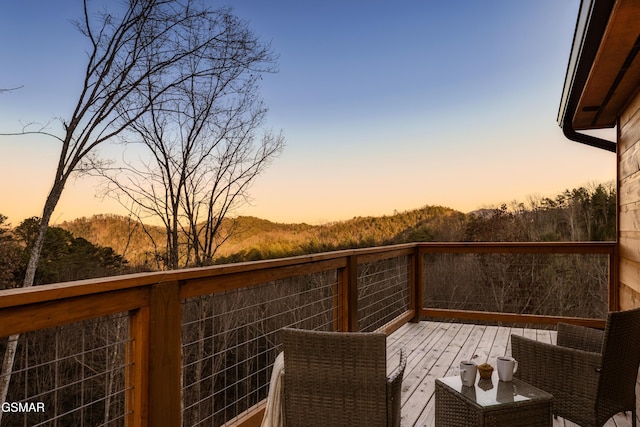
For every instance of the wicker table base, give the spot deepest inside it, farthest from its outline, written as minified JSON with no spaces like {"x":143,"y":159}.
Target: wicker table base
{"x":491,"y":403}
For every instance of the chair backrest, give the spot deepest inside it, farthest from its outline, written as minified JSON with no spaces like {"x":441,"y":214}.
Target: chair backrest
{"x":620,"y":357}
{"x":334,"y":378}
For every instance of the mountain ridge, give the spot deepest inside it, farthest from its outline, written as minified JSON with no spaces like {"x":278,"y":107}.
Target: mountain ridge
{"x":254,"y":238}
{"x":580,"y":214}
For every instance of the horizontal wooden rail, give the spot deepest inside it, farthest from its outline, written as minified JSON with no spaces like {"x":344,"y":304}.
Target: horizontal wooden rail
{"x":306,"y":264}
{"x":510,"y":317}
{"x":519,"y":247}
{"x":26,"y":318}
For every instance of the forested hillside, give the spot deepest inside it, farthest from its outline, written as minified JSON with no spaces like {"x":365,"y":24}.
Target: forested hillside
{"x":64,"y":257}
{"x":111,"y":244}
{"x":585,"y":213}
{"x":250,"y":238}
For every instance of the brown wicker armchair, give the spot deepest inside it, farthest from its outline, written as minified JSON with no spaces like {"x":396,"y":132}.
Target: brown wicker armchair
{"x":339,"y":379}
{"x":591,"y":374}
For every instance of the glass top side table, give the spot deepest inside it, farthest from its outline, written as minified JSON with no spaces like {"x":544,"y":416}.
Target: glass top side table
{"x":491,"y":403}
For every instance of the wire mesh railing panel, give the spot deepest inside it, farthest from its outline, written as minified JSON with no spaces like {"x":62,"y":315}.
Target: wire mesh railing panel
{"x":230,"y":341}
{"x":72,"y":375}
{"x":383,"y":292}
{"x":574,"y":285}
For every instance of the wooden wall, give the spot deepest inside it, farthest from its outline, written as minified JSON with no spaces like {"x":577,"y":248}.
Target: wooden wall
{"x":629,"y":204}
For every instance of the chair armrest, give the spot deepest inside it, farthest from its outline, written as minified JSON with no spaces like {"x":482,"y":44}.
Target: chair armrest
{"x":394,"y":391}
{"x":580,"y":337}
{"x":570,"y":375}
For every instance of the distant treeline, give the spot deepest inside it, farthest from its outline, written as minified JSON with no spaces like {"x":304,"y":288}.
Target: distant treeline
{"x":105,"y":245}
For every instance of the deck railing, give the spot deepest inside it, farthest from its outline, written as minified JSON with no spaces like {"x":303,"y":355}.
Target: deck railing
{"x":195,"y":346}
{"x":520,"y":282}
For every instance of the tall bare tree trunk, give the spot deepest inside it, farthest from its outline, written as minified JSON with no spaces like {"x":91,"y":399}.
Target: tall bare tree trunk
{"x":29,"y":279}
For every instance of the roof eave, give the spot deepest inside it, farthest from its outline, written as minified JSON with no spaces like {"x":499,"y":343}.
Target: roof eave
{"x":590,"y":28}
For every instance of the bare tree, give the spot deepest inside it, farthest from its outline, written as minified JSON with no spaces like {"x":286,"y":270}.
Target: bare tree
{"x":145,"y":44}
{"x":201,"y":137}
{"x":3,"y":90}
{"x":213,"y":193}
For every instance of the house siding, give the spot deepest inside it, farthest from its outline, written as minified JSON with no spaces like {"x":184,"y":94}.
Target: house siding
{"x":629,"y":204}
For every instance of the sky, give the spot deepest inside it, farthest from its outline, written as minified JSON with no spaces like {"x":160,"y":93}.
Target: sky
{"x":384,"y":106}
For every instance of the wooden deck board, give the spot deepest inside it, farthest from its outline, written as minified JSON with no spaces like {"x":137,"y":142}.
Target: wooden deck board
{"x":434,"y":350}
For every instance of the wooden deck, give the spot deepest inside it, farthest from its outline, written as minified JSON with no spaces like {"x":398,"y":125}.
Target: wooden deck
{"x":434,"y":350}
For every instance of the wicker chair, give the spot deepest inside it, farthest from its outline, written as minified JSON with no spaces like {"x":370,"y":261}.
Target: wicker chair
{"x":339,"y":379}
{"x":591,"y":374}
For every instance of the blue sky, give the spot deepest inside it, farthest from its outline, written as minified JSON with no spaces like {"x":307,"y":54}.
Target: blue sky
{"x":384,"y":106}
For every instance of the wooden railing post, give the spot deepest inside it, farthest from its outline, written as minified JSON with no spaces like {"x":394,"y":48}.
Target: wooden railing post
{"x":614,"y":285}
{"x":137,"y":372}
{"x":416,"y":284}
{"x":164,"y":350}
{"x":348,"y":295}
